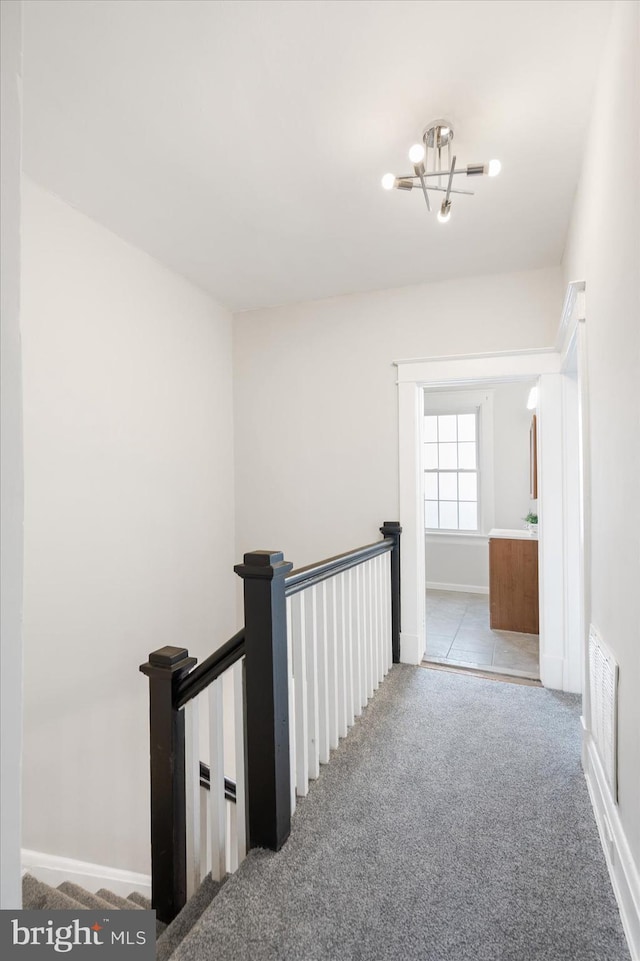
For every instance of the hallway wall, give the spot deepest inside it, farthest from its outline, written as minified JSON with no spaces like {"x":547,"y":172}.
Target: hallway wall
{"x":11,"y":473}
{"x":129,"y":518}
{"x":604,"y":250}
{"x":316,"y":399}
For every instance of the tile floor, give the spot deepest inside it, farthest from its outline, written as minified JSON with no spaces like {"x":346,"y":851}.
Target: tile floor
{"x":458,"y":632}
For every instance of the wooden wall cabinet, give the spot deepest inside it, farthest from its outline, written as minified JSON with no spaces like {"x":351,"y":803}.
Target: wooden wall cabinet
{"x":513,"y":584}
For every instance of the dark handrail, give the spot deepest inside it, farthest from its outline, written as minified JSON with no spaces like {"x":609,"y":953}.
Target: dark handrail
{"x":230,"y":790}
{"x":304,"y":577}
{"x":216,"y":664}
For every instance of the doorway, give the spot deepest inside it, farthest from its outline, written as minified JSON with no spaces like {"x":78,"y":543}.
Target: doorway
{"x":479,"y":519}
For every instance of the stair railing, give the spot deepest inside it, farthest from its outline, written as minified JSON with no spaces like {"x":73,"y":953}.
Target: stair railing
{"x":316,"y":644}
{"x":343,"y":620}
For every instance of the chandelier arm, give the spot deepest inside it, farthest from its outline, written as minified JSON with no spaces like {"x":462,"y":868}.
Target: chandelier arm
{"x":424,"y":190}
{"x":442,"y":190}
{"x":451,"y":173}
{"x":434,"y":173}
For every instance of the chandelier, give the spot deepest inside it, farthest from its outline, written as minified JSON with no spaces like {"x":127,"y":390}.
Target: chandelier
{"x":430,"y":175}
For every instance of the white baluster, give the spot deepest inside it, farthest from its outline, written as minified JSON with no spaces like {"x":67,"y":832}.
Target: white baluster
{"x":192,"y":792}
{"x":217,"y":812}
{"x":332,"y":658}
{"x":376,"y":621}
{"x":357,"y":660}
{"x":308,"y":643}
{"x":319,"y":621}
{"x":205,"y":867}
{"x":371,"y":652}
{"x":362,"y":637}
{"x":299,"y":720}
{"x":348,"y":640}
{"x":292,"y":705}
{"x":232,"y":864}
{"x":382,"y":666}
{"x":387,"y":595}
{"x":241,"y":799}
{"x":344,"y":679}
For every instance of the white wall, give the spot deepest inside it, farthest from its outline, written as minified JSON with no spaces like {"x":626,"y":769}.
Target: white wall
{"x":604,"y":250}
{"x":316,"y":399}
{"x":11,"y":479}
{"x":511,"y":424}
{"x":128,"y":518}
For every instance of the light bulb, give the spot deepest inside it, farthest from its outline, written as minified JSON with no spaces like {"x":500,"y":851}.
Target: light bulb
{"x":416,"y":154}
{"x":494,"y":168}
{"x":444,"y":214}
{"x":389,"y":181}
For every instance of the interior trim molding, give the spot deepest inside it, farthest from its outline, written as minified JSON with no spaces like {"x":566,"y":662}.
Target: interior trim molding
{"x":465,"y":588}
{"x":522,"y":352}
{"x":573,"y":311}
{"x":624,"y":875}
{"x":552,"y":670}
{"x":411,"y":649}
{"x":53,"y":870}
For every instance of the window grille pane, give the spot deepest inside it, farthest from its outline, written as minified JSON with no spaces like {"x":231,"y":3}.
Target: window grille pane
{"x":431,"y":487}
{"x":466,"y":427}
{"x":448,"y":487}
{"x":431,"y":429}
{"x":449,"y":515}
{"x":466,"y":456}
{"x":430,"y":456}
{"x":468,"y":516}
{"x":468,"y":487}
{"x":448,"y":456}
{"x":447,"y":428}
{"x":451,"y":479}
{"x":431,"y":514}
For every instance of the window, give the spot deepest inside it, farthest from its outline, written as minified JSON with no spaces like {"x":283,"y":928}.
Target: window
{"x":451,"y":476}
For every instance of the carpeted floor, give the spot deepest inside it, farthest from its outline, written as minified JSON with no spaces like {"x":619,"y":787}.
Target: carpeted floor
{"x":453,"y":824}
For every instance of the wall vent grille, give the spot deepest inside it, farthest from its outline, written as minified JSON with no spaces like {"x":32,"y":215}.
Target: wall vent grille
{"x":603,"y":696}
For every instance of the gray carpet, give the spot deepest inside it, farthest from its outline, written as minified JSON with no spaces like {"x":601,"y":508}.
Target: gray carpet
{"x":182,"y":924}
{"x":453,"y":824}
{"x":38,"y":896}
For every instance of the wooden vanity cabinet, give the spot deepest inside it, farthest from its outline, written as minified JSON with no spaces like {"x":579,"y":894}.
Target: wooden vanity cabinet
{"x":513,"y":584}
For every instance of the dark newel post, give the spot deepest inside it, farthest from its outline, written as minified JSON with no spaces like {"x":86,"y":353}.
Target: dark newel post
{"x":393,"y":529}
{"x":168,"y":803}
{"x":267,"y":698}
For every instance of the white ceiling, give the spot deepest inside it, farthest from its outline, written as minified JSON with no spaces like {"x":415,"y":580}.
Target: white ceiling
{"x":242,"y":143}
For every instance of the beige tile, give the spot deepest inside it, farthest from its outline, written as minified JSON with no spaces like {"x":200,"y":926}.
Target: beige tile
{"x":518,"y":661}
{"x":438,"y":644}
{"x":470,"y":636}
{"x":469,"y":659}
{"x":469,"y":642}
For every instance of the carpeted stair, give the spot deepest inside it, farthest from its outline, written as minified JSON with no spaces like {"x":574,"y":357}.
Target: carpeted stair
{"x":191,"y":912}
{"x":71,"y":897}
{"x":37,"y":895}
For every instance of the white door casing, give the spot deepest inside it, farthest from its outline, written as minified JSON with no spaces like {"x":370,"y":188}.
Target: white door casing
{"x":561,"y":662}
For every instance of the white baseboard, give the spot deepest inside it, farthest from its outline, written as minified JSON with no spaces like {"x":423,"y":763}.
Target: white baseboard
{"x":54,"y":870}
{"x":624,"y":875}
{"x":411,"y":648}
{"x":466,"y":588}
